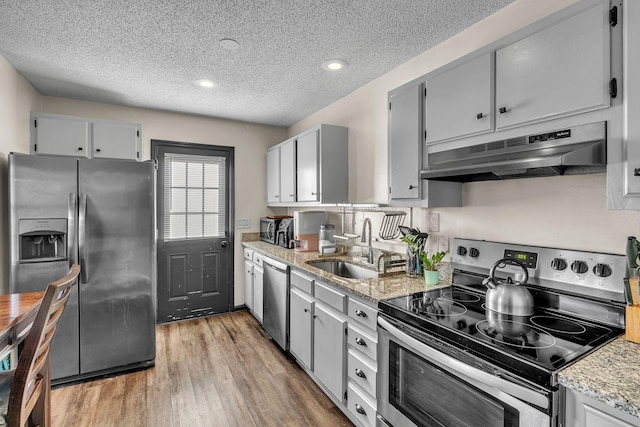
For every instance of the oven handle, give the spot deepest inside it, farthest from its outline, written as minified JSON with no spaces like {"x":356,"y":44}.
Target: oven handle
{"x":515,"y":390}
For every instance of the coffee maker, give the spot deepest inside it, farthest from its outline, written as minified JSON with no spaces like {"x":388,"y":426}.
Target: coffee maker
{"x":306,"y":225}
{"x":284,"y":233}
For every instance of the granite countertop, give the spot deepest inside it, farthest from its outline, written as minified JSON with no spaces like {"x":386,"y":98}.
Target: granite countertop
{"x":374,"y":290}
{"x":608,"y":375}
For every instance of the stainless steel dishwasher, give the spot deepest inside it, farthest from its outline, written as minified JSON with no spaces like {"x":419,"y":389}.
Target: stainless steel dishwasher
{"x":276,"y":301}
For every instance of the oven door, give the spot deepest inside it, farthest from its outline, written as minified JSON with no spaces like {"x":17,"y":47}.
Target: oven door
{"x":421,"y":386}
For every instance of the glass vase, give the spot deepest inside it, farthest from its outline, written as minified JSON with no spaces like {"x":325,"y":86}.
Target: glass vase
{"x":414,"y":265}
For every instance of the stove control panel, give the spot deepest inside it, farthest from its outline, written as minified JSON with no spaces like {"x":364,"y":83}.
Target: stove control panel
{"x":595,"y":274}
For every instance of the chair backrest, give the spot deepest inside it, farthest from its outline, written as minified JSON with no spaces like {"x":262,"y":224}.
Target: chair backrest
{"x":30,"y":371}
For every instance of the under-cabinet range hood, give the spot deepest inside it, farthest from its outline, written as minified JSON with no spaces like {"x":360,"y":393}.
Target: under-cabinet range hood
{"x":575,"y":150}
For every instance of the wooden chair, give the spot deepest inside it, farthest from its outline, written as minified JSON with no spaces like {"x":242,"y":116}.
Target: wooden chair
{"x":30,"y":384}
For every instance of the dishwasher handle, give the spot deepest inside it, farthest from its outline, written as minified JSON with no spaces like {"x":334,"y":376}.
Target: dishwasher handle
{"x":267,"y":262}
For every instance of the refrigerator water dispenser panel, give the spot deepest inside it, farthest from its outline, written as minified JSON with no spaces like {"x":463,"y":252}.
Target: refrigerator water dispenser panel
{"x":42,"y":240}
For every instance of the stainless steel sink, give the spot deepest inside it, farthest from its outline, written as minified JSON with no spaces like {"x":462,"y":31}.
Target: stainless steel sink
{"x":344,"y":269}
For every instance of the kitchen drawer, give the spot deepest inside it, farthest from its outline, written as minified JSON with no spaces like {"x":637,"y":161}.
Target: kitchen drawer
{"x":331,"y":297}
{"x":362,"y":373}
{"x":361,"y":407}
{"x":301,"y":282}
{"x":364,"y":314}
{"x":257,"y":259}
{"x":248,"y":254}
{"x":363,"y":341}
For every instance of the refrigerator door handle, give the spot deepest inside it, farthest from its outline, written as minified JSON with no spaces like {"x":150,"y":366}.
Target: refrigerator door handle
{"x":82,"y":230}
{"x":72,"y":231}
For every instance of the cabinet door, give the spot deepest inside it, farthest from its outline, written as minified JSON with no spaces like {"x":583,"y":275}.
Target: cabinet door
{"x":460,"y":100}
{"x":258,"y":294}
{"x":117,"y":141}
{"x":405,"y":142}
{"x":248,"y":284}
{"x":583,"y":411}
{"x":273,"y":175}
{"x":329,"y":349}
{"x":559,"y":71}
{"x":301,"y":326}
{"x":62,"y":136}
{"x":307,"y":167}
{"x":288,"y":171}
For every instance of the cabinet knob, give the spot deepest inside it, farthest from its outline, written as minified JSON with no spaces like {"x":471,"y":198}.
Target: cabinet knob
{"x":502,"y":110}
{"x":360,"y":373}
{"x":291,"y":195}
{"x":97,"y":150}
{"x":79,"y":148}
{"x":361,"y":313}
{"x":361,"y":342}
{"x":306,"y":310}
{"x":314,"y":194}
{"x":411,"y":187}
{"x":360,"y":409}
{"x":315,"y":316}
{"x":479,"y":116}
{"x":277,"y":196}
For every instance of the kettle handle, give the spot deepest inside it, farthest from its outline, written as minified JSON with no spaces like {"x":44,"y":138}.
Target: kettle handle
{"x":503,"y":263}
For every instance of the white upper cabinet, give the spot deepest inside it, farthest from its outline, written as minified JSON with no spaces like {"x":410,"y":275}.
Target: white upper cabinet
{"x":311,"y":168}
{"x":288,"y":171}
{"x":85,"y":137}
{"x":116,"y":140}
{"x":460,"y":100}
{"x":307,"y":167}
{"x":273,"y":175}
{"x":559,"y":71}
{"x":54,"y":135}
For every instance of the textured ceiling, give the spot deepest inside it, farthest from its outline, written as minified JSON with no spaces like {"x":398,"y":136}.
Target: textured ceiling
{"x":149,"y":53}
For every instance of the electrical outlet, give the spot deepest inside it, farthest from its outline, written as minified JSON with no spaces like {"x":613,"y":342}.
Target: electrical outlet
{"x":434,"y":222}
{"x":243,"y":223}
{"x":443,"y":244}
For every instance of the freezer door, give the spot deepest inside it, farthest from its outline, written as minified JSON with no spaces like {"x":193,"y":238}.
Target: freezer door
{"x":116,"y":230}
{"x":42,"y":189}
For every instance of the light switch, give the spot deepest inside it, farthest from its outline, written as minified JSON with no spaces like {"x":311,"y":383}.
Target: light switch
{"x":243,"y":223}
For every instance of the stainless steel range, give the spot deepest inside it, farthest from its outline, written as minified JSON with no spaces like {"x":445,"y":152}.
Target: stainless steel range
{"x":446,"y":359}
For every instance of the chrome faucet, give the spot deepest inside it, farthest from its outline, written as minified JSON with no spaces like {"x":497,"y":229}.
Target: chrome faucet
{"x":366,"y":222}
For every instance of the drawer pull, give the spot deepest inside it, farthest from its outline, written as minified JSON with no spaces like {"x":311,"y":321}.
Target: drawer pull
{"x":361,"y":313}
{"x":361,"y":342}
{"x":360,"y":373}
{"x":360,"y":409}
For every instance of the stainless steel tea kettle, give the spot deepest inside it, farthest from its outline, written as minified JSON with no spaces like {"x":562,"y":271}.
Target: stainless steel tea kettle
{"x":508,"y":297}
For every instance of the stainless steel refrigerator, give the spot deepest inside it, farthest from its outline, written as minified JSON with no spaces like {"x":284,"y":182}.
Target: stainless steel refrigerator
{"x":99,"y":213}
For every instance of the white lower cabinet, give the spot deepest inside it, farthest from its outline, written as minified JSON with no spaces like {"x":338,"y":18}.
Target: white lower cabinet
{"x":329,"y":348}
{"x":301,"y":326}
{"x":583,"y":411}
{"x":258,"y":293}
{"x":361,"y":407}
{"x":248,"y":279}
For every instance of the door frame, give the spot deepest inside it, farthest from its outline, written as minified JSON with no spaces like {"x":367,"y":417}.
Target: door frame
{"x":155,"y":145}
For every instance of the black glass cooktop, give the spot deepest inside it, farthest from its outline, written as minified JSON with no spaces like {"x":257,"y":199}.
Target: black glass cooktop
{"x":534,"y":346}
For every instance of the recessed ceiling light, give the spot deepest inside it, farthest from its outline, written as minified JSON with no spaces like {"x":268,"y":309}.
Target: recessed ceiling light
{"x":229,"y":44}
{"x":205,"y":83}
{"x":334,"y":65}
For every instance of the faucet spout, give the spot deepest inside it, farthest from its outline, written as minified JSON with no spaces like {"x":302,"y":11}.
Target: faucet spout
{"x":367,"y":224}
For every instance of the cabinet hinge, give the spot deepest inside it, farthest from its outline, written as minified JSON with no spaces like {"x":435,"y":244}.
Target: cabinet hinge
{"x":35,"y":123}
{"x":346,"y":331}
{"x":35,"y":147}
{"x":389,"y":190}
{"x":345,"y":395}
{"x":155,"y":164}
{"x":138,"y":154}
{"x":389,"y":106}
{"x":425,"y":134}
{"x":425,"y":92}
{"x":613,"y":16}
{"x":138,"y":133}
{"x":613,"y":88}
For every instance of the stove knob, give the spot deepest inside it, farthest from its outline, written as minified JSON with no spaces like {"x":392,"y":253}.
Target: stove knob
{"x":473,"y":252}
{"x":558,"y":264}
{"x":579,"y":267}
{"x":602,"y":270}
{"x":462,"y":251}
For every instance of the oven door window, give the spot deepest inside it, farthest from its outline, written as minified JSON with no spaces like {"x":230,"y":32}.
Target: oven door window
{"x":429,"y":396}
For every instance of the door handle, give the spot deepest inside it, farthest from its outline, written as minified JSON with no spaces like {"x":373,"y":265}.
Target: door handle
{"x":72,"y":249}
{"x":224,"y":243}
{"x":82,"y":234}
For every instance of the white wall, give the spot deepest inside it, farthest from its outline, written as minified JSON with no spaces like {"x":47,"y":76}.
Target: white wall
{"x":567,"y":211}
{"x":17,"y":99}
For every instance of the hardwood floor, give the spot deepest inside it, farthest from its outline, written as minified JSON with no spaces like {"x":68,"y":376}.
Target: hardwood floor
{"x":215,"y":371}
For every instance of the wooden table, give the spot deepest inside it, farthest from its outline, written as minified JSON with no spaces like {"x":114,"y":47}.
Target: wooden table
{"x":17,"y":312}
